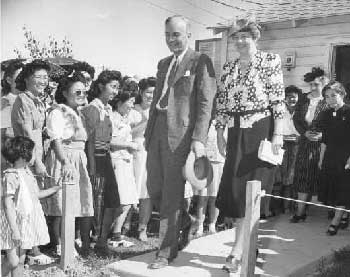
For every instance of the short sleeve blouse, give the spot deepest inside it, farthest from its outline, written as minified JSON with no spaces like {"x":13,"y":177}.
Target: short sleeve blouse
{"x":98,"y":121}
{"x":27,"y":110}
{"x":10,"y":183}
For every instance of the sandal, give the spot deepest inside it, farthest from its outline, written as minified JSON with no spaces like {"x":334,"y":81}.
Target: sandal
{"x":41,"y":260}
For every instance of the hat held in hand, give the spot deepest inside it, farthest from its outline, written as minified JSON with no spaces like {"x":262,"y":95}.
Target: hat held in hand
{"x":198,"y":172}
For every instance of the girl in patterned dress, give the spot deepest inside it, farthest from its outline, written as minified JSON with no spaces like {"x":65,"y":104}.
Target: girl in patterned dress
{"x":207,"y":196}
{"x":23,"y":224}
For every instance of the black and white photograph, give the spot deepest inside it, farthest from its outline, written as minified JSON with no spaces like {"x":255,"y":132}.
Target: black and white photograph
{"x":152,"y":138}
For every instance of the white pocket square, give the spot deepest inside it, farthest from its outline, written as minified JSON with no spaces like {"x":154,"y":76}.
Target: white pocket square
{"x":187,"y":73}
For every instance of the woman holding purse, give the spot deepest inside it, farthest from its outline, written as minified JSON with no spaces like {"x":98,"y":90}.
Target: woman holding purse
{"x":250,"y":102}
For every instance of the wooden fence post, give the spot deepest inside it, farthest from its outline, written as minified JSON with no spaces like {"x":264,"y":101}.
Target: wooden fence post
{"x":68,"y":227}
{"x":251,"y":225}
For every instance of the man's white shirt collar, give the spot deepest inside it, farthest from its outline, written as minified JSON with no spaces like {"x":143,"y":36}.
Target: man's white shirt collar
{"x":181,"y":56}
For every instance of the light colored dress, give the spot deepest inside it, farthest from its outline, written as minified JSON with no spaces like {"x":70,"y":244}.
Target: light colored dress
{"x":122,"y":161}
{"x":7,"y":102}
{"x":138,"y":118}
{"x":65,"y":124}
{"x":23,"y":187}
{"x":28,"y":111}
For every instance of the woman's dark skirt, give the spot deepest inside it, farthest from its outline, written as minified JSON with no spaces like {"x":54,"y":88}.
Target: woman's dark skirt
{"x":335,"y":182}
{"x":307,"y":173}
{"x":242,"y":165}
{"x":104,"y":171}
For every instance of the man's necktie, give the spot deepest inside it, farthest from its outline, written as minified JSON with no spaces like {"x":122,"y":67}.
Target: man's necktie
{"x":163,"y":103}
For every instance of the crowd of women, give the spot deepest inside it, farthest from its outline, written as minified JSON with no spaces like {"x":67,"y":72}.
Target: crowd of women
{"x":90,"y":134}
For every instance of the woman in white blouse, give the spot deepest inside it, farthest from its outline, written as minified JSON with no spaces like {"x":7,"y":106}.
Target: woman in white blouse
{"x":67,"y":160}
{"x":122,"y":150}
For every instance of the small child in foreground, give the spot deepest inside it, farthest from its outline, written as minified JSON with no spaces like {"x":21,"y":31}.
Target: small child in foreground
{"x":22,"y":219}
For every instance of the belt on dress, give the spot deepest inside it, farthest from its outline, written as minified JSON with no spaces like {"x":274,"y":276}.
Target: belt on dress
{"x":101,"y":148}
{"x":243,"y":113}
{"x":72,"y":144}
{"x":237,"y":115}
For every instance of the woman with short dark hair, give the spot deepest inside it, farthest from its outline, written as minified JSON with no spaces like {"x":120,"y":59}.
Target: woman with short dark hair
{"x":99,"y":127}
{"x":28,"y":112}
{"x":122,"y":150}
{"x":66,"y":162}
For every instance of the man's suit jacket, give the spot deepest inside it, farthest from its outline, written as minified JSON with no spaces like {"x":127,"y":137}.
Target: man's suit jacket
{"x":190,"y":99}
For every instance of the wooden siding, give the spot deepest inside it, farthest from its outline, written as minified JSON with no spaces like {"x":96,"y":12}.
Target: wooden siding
{"x":211,"y":47}
{"x":312,"y":45}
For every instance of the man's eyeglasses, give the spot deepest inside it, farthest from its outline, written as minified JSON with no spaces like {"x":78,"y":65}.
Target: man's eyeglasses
{"x":80,"y":92}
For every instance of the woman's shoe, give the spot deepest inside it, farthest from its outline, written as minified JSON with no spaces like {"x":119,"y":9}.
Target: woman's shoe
{"x":332,"y":230}
{"x":143,"y":235}
{"x":232,"y":264}
{"x":116,"y":237}
{"x":296,"y":218}
{"x":344,"y":222}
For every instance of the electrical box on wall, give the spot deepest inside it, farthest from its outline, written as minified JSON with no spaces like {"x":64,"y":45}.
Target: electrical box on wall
{"x":289,"y":60}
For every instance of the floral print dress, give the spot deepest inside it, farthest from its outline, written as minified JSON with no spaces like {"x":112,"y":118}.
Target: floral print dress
{"x":247,"y":104}
{"x":21,"y":185}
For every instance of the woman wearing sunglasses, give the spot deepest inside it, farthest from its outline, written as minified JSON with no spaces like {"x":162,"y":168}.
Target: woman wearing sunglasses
{"x":67,"y":159}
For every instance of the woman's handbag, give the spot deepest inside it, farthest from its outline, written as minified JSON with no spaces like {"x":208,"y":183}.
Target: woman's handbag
{"x":265,"y":153}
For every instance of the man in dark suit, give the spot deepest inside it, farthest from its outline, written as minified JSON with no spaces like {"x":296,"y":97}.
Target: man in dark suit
{"x":178,"y":123}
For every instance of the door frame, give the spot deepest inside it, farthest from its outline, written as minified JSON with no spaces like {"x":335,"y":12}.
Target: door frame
{"x":332,"y":58}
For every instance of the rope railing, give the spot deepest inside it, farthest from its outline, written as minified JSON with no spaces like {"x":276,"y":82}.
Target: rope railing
{"x":264,"y":194}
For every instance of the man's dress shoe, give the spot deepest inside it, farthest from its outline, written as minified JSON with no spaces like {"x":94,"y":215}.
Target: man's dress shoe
{"x":158,"y":263}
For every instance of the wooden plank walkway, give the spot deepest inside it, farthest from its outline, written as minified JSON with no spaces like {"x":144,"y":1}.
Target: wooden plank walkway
{"x":285,"y":250}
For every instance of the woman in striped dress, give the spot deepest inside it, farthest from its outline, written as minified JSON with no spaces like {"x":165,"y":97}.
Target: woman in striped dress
{"x":99,"y":128}
{"x":307,"y":122}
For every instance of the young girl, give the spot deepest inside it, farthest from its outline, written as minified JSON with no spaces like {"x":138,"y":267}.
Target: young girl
{"x":207,"y":196}
{"x":22,"y":219}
